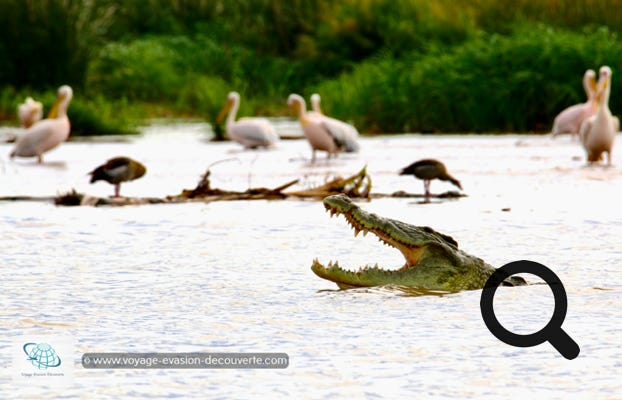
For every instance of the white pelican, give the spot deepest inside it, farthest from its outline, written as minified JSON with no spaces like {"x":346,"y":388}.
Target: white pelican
{"x":48,"y":133}
{"x":249,"y":132}
{"x":29,"y":112}
{"x":598,"y":132}
{"x":117,"y":170}
{"x":427,"y":170}
{"x":349,"y":134}
{"x":316,"y":101}
{"x":569,"y":120}
{"x":315,"y":128}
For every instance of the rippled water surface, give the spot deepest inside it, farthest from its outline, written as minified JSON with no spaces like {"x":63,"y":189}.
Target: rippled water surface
{"x":235,"y":276}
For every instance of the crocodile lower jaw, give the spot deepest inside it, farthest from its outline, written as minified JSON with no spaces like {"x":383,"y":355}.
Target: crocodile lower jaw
{"x":364,"y":277}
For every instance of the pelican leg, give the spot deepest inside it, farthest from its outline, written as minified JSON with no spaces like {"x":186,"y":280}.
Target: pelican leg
{"x":609,"y":158}
{"x":40,"y":158}
{"x":117,"y":189}
{"x":313,"y":156}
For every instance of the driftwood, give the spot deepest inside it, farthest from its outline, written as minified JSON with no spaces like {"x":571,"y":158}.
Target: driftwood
{"x":204,"y":191}
{"x":356,"y":186}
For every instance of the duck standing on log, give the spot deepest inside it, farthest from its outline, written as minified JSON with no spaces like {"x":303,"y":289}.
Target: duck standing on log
{"x":118,"y":170}
{"x":427,"y":170}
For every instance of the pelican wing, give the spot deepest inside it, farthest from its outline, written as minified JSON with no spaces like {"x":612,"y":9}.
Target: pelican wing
{"x":570,"y":119}
{"x":336,"y":135}
{"x":253,"y":132}
{"x":345,"y":135}
{"x":41,"y":137}
{"x":586,"y":129}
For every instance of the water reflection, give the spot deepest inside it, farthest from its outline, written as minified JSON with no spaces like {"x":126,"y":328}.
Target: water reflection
{"x":399,"y":290}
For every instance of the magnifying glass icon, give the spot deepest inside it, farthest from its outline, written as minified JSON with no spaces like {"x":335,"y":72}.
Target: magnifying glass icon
{"x":552,"y":332}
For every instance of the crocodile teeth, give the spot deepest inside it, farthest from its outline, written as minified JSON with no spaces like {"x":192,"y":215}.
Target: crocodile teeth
{"x":356,"y":232}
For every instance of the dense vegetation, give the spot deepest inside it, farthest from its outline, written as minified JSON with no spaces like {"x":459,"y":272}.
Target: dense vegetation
{"x":388,"y":65}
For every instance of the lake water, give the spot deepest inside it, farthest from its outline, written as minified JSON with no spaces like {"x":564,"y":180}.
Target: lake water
{"x":235,"y":276}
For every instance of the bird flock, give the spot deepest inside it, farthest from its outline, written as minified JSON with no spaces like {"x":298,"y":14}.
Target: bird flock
{"x":591,"y":121}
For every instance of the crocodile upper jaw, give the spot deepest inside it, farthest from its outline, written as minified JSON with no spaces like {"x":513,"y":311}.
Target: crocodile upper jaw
{"x":412,"y":254}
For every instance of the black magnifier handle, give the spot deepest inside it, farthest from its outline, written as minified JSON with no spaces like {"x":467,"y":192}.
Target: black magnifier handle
{"x":563,"y":343}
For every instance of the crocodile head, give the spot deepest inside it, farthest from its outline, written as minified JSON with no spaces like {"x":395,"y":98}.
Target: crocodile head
{"x":432,"y":259}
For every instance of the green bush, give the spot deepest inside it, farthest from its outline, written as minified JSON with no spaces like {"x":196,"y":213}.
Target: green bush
{"x":493,"y":83}
{"x":142,"y":70}
{"x":389,"y":65}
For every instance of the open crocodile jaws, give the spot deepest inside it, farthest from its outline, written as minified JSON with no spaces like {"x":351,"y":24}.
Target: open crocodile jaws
{"x":433,"y":260}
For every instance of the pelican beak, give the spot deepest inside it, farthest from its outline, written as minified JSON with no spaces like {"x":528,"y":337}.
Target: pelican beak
{"x":602,"y":87}
{"x":224,"y":111}
{"x":294,"y":106}
{"x":592,"y":84}
{"x":54,"y":110}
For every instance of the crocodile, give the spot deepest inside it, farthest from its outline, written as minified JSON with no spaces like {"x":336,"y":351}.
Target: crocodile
{"x":433,"y":260}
